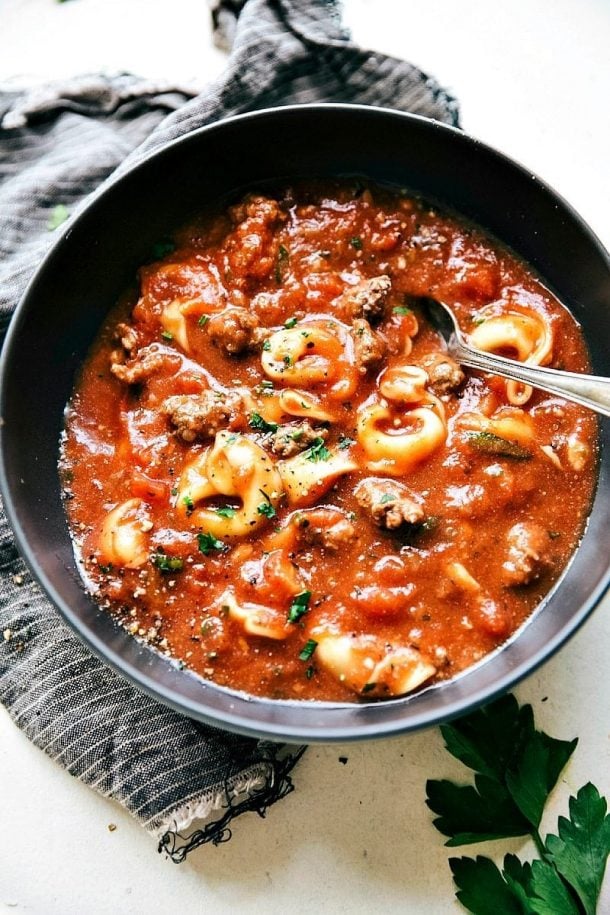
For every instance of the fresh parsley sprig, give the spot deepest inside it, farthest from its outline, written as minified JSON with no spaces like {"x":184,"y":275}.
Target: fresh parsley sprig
{"x":516,"y":768}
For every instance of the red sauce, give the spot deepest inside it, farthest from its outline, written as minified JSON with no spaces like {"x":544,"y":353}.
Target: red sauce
{"x":360,"y":518}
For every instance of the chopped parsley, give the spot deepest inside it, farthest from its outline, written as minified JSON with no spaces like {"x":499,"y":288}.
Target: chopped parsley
{"x":257,"y":422}
{"x":167,"y":563}
{"x":166,"y":335}
{"x":189,"y":504}
{"x":299,"y":606}
{"x":281,"y":263}
{"x":226,"y":511}
{"x":266,"y":509}
{"x":287,"y":360}
{"x":162,"y":249}
{"x":203,"y":320}
{"x":356,"y":242}
{"x":208,"y":542}
{"x":490,"y":443}
{"x":290,"y":323}
{"x":310,"y":671}
{"x":345,"y":442}
{"x":106,"y":570}
{"x":308,"y":649}
{"x":59,"y":214}
{"x":387,"y":497}
{"x":266,"y":345}
{"x":318,"y":451}
{"x":401,"y":310}
{"x":368,"y":687}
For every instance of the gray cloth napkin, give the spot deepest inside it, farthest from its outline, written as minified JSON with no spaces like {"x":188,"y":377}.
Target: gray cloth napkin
{"x":184,"y":781}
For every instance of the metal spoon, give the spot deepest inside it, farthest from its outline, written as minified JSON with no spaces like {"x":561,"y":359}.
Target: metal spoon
{"x":591,"y":391}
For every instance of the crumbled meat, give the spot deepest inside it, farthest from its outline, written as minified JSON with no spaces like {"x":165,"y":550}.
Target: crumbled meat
{"x":369,"y":348}
{"x":126,"y":335}
{"x":288,"y":440}
{"x":367,"y":299}
{"x":445,"y":375}
{"x":235,"y":330}
{"x":326,"y":527}
{"x":389,"y":502}
{"x":147,"y":362}
{"x":199,"y":416}
{"x":528,"y":546}
{"x":264,"y":210}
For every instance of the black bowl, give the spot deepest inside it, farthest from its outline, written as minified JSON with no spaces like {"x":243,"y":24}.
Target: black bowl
{"x":95,"y":259}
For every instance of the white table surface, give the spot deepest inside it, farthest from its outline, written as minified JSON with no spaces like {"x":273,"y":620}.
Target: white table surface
{"x":533,"y":79}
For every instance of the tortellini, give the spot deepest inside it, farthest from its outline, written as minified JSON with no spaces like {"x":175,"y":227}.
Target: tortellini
{"x":255,"y":619}
{"x":370,"y":666}
{"x":312,"y":353}
{"x":397,"y":438}
{"x":233,"y":466}
{"x":124,"y":536}
{"x":528,"y":335}
{"x":306,"y":480}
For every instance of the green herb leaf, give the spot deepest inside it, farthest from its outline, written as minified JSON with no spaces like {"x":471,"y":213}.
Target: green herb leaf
{"x":482,"y":889}
{"x":494,"y":444}
{"x":387,"y":497}
{"x":356,"y":242}
{"x":581,"y":849}
{"x":535,"y":771}
{"x":266,"y":509}
{"x":203,"y":320}
{"x":257,"y":422}
{"x":226,"y":511}
{"x":299,"y":606}
{"x":59,"y":214}
{"x":166,"y":335}
{"x":318,"y":451}
{"x":291,"y":322}
{"x":281,"y":262}
{"x":167,"y":563}
{"x":207,"y":543}
{"x":401,"y":310}
{"x":469,"y":814}
{"x":162,"y":249}
{"x":266,"y":345}
{"x":188,"y":502}
{"x":345,"y":442}
{"x":308,"y":650}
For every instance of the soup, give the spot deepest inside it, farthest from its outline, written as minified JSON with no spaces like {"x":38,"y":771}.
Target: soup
{"x":276,"y":475}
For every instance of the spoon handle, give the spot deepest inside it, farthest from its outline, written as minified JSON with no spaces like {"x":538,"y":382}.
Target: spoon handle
{"x":591,"y":391}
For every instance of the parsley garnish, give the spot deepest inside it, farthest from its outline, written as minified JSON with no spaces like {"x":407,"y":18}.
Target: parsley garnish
{"x":387,"y":497}
{"x":401,"y":310}
{"x":345,"y":442}
{"x":490,"y":443}
{"x":318,"y":451}
{"x":166,"y":335}
{"x":266,"y":345}
{"x":266,"y":509}
{"x":226,"y":511}
{"x":281,"y":263}
{"x":308,"y":649}
{"x":299,"y":606}
{"x":167,"y":563}
{"x":516,"y":768}
{"x":189,"y":504}
{"x":310,"y":671}
{"x":257,"y":422}
{"x":356,"y":242}
{"x":106,"y":570}
{"x":59,"y":214}
{"x":162,"y":249}
{"x":203,"y":320}
{"x":207,"y":543}
{"x":291,"y":322}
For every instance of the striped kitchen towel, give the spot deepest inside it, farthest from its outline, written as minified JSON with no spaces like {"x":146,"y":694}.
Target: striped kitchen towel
{"x":184,"y":781}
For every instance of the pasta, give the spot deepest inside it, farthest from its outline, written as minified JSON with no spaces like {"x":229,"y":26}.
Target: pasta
{"x":123,"y":538}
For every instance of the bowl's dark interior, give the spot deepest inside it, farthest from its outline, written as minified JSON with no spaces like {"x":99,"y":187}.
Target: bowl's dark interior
{"x":97,"y":259}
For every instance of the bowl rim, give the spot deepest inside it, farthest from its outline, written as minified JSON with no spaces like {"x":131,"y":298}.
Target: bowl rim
{"x":236,"y":721}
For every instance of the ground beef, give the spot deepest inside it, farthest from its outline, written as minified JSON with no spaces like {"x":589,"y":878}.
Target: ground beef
{"x":288,"y":440}
{"x":389,"y":503}
{"x":148,"y":361}
{"x":369,"y":348}
{"x":235,"y":330}
{"x":445,"y":375}
{"x":528,"y":554}
{"x":200,"y":416}
{"x":264,"y":210}
{"x":367,"y":299}
{"x":326,"y":527}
